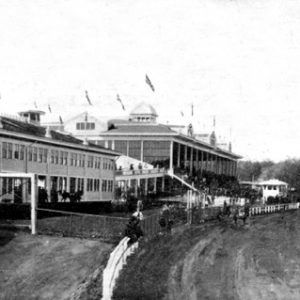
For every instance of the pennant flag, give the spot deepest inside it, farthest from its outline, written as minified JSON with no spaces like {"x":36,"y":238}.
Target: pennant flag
{"x":61,"y":120}
{"x":35,"y":105}
{"x":86,"y":117}
{"x":192,"y":109}
{"x":148,"y":81}
{"x":182,"y":114}
{"x":214,"y":122}
{"x":87,"y":98}
{"x":119,"y":99}
{"x":49,"y":108}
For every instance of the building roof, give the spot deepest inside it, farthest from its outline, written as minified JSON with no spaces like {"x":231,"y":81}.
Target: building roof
{"x":272,"y":182}
{"x":34,"y":131}
{"x":144,"y":109}
{"x":134,"y":128}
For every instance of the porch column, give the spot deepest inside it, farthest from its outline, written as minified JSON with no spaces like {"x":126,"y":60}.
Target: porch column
{"x":113,"y":144}
{"x":171,"y":157}
{"x":155,"y":184}
{"x":197,"y":159}
{"x":201,"y":153}
{"x":191,"y":160}
{"x":185,"y":155}
{"x":127,"y":148}
{"x":235,"y":169}
{"x":178,"y":155}
{"x":142,"y":151}
{"x":163,"y":184}
{"x":146,"y":186}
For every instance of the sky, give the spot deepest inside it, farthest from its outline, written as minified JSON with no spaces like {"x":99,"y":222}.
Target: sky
{"x":235,"y":60}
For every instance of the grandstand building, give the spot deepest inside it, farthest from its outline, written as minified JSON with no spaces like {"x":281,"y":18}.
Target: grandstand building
{"x":59,"y":160}
{"x":142,"y":138}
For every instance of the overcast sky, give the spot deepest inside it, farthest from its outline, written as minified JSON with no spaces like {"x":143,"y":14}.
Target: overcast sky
{"x":238,"y":60}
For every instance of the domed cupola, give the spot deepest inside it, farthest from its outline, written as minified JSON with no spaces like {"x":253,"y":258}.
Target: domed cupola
{"x":143,"y":113}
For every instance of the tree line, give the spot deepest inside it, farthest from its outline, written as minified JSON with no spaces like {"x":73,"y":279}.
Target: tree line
{"x":287,"y":171}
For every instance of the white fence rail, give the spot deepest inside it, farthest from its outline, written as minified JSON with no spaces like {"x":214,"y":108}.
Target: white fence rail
{"x":117,"y":260}
{"x":258,"y":210}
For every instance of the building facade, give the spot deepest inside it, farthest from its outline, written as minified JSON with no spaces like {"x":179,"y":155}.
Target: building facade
{"x":60,"y":162}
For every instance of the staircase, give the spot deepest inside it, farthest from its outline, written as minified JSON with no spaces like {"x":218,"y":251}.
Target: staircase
{"x":172,"y":175}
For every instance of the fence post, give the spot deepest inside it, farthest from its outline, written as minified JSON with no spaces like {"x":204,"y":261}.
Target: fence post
{"x":33,"y":205}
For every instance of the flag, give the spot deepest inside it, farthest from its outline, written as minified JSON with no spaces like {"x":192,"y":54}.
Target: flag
{"x":61,"y":120}
{"x":87,"y":98}
{"x":182,"y":114}
{"x":192,"y":112}
{"x":49,"y":108}
{"x":35,"y":105}
{"x":214,"y":122}
{"x":119,"y":99}
{"x":148,"y":81}
{"x":86,"y":117}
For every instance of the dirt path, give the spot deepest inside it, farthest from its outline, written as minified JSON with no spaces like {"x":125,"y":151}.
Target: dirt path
{"x":257,"y":262}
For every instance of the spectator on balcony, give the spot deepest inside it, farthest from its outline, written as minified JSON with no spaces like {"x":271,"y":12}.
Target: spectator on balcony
{"x":139,"y":205}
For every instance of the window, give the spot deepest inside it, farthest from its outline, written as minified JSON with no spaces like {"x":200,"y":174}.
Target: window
{"x":30,"y":156}
{"x":16,"y":152}
{"x":56,"y":156}
{"x":89,"y":187}
{"x":52,"y":156}
{"x":4,"y":150}
{"x":90,"y":162}
{"x":22,"y":151}
{"x":41,"y":153}
{"x":97,"y":162}
{"x":96,"y":185}
{"x":61,"y":157}
{"x":34,"y":153}
{"x":9,"y":151}
{"x":45,"y":155}
{"x":65,"y":158}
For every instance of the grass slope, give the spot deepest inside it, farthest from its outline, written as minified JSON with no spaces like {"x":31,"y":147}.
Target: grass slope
{"x":41,"y":267}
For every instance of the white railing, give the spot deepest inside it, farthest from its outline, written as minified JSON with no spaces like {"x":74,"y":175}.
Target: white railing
{"x":140,"y":172}
{"x":257,"y":210}
{"x":117,"y":260}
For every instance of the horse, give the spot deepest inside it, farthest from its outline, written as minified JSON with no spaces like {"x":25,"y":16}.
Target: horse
{"x":76,"y":197}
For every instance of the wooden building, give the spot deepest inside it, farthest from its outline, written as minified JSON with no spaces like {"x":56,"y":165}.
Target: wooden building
{"x":60,"y":161}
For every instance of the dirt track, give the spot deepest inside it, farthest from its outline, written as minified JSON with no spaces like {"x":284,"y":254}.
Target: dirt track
{"x":257,"y":262}
{"x":261,"y":261}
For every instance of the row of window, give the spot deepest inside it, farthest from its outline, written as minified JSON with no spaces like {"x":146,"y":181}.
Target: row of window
{"x":38,"y":154}
{"x":85,"y":126}
{"x":76,"y":184}
{"x":93,"y":185}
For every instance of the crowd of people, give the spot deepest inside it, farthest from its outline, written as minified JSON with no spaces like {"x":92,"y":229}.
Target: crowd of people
{"x":218,"y":184}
